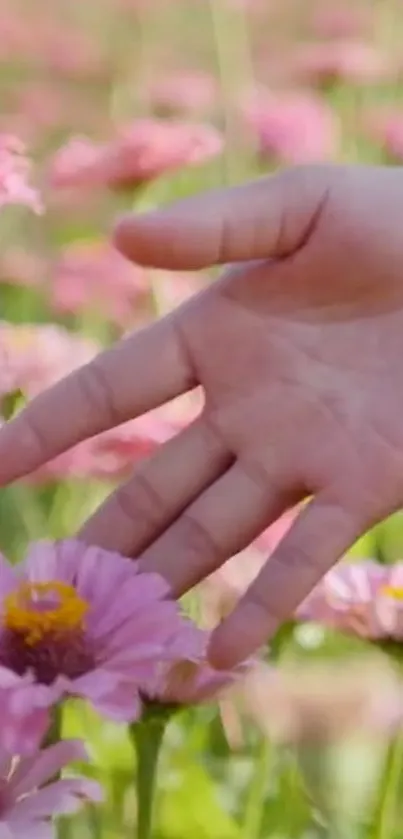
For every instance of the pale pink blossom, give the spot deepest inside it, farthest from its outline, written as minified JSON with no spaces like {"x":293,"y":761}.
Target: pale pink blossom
{"x":84,"y":622}
{"x":15,"y":173}
{"x":113,"y":454}
{"x":350,"y":61}
{"x":341,"y":21}
{"x":187,"y":678}
{"x":292,"y":128}
{"x":363,"y":598}
{"x":93,"y":275}
{"x":322,"y":702}
{"x":34,"y":356}
{"x":141,"y":152}
{"x":30,"y":799}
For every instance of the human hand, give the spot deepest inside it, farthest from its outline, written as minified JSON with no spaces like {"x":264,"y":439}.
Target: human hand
{"x":298,"y":349}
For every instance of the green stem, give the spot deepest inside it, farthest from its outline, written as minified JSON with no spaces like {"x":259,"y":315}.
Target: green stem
{"x":147,"y":738}
{"x":253,"y":814}
{"x":384,"y":816}
{"x":234,"y":63}
{"x":54,"y":732}
{"x":54,"y":735}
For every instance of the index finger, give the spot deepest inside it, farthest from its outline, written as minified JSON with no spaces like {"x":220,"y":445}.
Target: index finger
{"x":136,"y":375}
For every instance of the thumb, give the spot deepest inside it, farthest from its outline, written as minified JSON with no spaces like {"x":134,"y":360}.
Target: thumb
{"x":268,"y":218}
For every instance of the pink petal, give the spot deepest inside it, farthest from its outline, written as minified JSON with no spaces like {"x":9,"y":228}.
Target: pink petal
{"x":33,"y":772}
{"x":8,"y":578}
{"x":94,"y":685}
{"x":124,"y":606}
{"x":121,"y":705}
{"x":100,"y":572}
{"x":151,"y":625}
{"x":61,"y":798}
{"x":18,"y":828}
{"x":9,"y":679}
{"x":41,"y":566}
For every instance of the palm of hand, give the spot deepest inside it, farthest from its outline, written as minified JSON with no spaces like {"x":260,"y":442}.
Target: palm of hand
{"x":299,"y":358}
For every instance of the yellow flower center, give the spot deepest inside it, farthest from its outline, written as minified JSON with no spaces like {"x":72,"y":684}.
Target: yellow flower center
{"x":35,"y":610}
{"x":396,"y":592}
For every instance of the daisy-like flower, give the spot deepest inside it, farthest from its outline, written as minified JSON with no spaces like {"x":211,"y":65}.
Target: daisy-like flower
{"x":187,"y":678}
{"x":28,"y":797}
{"x":140,"y":152}
{"x":355,"y":597}
{"x":81,"y":621}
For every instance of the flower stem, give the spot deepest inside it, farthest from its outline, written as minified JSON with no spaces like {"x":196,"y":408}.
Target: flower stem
{"x":384,"y":816}
{"x":253,"y":815}
{"x":147,"y":738}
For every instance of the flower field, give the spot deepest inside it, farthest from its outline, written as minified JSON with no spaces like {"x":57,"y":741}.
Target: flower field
{"x":115,"y":723}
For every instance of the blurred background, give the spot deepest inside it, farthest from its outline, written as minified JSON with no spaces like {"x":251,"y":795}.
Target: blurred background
{"x":129,"y":104}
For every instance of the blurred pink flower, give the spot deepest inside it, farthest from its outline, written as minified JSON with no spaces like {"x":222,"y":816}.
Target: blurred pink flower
{"x":385,"y":128}
{"x":30,"y":799}
{"x":84,"y":622}
{"x":323,"y":702}
{"x":15,"y":172}
{"x":293,"y":128}
{"x":184,"y":93}
{"x":95,"y":275}
{"x":341,"y":21}
{"x":349,"y":61}
{"x":113,"y":454}
{"x":34,"y":356}
{"x":188,"y":678}
{"x":363,"y":598}
{"x":141,"y":152}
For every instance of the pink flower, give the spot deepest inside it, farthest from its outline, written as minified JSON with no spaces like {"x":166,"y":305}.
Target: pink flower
{"x":294,"y":128}
{"x":84,"y":622}
{"x":29,"y":799}
{"x":341,"y":21}
{"x":34,"y":356}
{"x":141,"y":152}
{"x":389,"y":603}
{"x":354,"y":62}
{"x":95,"y":275}
{"x":188,"y":679}
{"x":323,"y":703}
{"x":112,"y":454}
{"x":14,"y":175}
{"x":363,"y":598}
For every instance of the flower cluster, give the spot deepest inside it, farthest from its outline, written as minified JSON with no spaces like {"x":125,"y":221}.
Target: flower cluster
{"x":81,"y":622}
